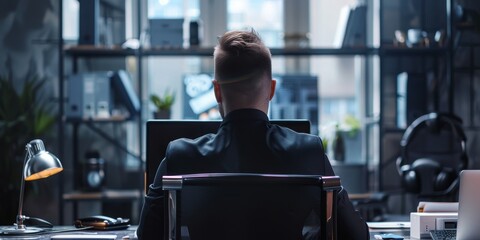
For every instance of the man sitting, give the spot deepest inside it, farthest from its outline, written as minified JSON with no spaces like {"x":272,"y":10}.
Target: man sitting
{"x":246,"y":141}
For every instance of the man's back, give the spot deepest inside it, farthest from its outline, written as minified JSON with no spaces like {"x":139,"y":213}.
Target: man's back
{"x":247,"y":142}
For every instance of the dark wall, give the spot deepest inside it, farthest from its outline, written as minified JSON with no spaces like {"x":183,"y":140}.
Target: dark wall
{"x":29,"y":49}
{"x":28,"y":30}
{"x":466,"y":82}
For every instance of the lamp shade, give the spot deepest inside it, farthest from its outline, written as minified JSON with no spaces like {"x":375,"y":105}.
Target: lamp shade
{"x":40,"y":164}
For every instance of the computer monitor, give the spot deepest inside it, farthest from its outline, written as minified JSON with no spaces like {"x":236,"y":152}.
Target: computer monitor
{"x":161,"y":132}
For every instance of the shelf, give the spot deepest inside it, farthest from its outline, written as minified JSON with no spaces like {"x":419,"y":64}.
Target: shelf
{"x":201,"y":52}
{"x":113,"y":119}
{"x":103,"y":195}
{"x":419,"y":51}
{"x":208,"y":52}
{"x":94,"y":51}
{"x":322,"y":51}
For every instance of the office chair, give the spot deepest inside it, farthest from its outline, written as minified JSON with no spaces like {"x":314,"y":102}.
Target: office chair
{"x":249,"y":206}
{"x":433,"y":152}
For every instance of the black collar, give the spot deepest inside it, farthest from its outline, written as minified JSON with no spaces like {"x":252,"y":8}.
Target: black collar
{"x":245,"y":115}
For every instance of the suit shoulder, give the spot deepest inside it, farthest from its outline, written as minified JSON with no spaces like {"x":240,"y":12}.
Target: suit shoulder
{"x":288,"y":138}
{"x":285,"y":132}
{"x":182,"y":143}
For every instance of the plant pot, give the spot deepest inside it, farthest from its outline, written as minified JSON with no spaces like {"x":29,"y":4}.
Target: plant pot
{"x":338,"y":147}
{"x":162,"y":114}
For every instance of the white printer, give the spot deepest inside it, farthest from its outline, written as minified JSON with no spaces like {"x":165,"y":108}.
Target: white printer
{"x":433,"y":216}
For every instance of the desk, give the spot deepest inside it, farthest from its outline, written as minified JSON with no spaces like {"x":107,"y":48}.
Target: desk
{"x":402,"y":231}
{"x":57,"y":230}
{"x":130,"y":232}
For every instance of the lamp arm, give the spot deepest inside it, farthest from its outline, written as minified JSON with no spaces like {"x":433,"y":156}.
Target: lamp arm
{"x":20,"y":216}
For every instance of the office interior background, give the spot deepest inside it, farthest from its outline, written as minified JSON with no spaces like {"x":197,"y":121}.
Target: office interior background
{"x":366,"y":89}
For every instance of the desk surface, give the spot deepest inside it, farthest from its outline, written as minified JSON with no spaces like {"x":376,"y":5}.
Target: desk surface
{"x":130,"y":233}
{"x":402,"y":232}
{"x":398,"y":228}
{"x":63,"y":230}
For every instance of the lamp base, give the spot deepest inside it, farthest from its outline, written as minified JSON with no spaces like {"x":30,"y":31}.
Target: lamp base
{"x":19,"y":231}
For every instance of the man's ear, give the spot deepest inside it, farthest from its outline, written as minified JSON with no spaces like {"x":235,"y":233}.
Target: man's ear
{"x":216,"y":90}
{"x":272,"y":88}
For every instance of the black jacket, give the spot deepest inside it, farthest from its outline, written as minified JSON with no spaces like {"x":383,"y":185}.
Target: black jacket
{"x":246,"y":142}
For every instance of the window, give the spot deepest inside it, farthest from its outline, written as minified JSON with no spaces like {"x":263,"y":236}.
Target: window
{"x":307,"y":23}
{"x":70,"y":10}
{"x":173,"y":8}
{"x":265,"y":16}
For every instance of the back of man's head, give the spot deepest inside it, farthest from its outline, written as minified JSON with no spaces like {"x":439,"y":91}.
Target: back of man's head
{"x":243,"y":65}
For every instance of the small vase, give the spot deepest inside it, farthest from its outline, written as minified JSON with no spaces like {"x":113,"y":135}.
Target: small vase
{"x":162,"y":114}
{"x":338,"y":147}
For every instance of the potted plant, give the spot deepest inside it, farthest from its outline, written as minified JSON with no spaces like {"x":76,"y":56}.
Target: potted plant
{"x":24,"y":115}
{"x":163,"y":104}
{"x":347,"y":139}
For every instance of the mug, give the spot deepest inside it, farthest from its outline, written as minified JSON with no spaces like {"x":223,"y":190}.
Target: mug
{"x":416,"y":37}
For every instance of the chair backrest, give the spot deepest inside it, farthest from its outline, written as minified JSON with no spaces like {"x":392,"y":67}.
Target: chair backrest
{"x":433,"y":154}
{"x":250,"y":206}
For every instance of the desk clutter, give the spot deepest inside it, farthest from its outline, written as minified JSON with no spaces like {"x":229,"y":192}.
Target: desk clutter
{"x":93,"y":227}
{"x":433,"y":216}
{"x":446,"y":220}
{"x":430,"y":216}
{"x":100,"y":222}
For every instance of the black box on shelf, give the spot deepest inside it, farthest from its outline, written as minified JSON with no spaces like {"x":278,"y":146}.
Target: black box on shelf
{"x":88,"y":22}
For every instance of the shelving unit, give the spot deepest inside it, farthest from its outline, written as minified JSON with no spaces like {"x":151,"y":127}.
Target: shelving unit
{"x":392,"y":61}
{"x":382,"y":52}
{"x":76,"y":195}
{"x":437,"y":57}
{"x":131,"y":195}
{"x":452,"y":93}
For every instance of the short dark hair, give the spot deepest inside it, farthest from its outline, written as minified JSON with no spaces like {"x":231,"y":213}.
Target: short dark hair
{"x":241,"y":56}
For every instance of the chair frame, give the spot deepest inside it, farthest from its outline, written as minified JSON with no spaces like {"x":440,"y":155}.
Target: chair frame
{"x":173,"y":184}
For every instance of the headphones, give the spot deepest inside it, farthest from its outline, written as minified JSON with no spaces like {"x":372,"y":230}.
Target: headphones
{"x":435,"y":171}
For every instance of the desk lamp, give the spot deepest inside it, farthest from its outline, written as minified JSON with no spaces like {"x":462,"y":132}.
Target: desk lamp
{"x":38,"y":164}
